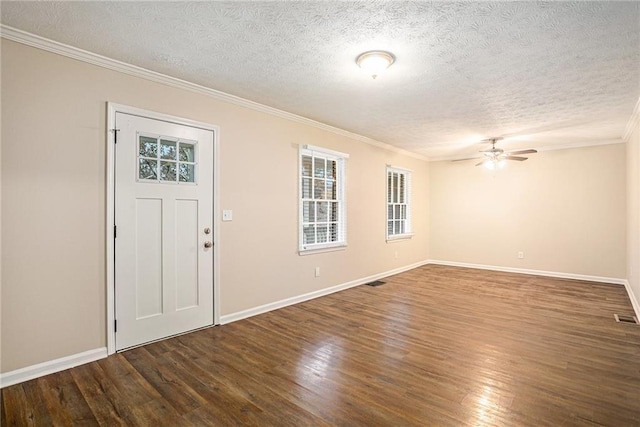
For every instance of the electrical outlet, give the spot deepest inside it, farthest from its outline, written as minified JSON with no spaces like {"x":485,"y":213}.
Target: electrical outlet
{"x":317,"y":271}
{"x":520,"y":255}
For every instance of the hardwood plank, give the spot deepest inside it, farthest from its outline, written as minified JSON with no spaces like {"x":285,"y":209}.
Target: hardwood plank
{"x":64,"y":401}
{"x":37,"y":409}
{"x":128,"y":381}
{"x":173,"y":389}
{"x":237,"y":411}
{"x":101,"y":395}
{"x":17,"y":412}
{"x":436,"y":345}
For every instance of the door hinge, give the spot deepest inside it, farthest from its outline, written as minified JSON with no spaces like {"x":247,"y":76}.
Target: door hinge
{"x":115,"y":135}
{"x":115,"y":326}
{"x":115,"y":231}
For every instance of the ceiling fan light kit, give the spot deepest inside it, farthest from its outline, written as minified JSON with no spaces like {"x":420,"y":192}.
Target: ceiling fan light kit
{"x":494,"y":164}
{"x":375,"y":62}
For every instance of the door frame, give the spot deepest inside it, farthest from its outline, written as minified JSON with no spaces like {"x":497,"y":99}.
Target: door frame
{"x":112,"y":109}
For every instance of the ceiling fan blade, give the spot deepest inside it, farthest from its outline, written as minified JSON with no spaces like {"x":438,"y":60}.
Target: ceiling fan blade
{"x":481,"y":163}
{"x":520,"y":159}
{"x":529,"y":151}
{"x":462,"y":160}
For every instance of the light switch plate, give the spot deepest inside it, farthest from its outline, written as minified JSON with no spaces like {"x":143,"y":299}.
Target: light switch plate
{"x":227,"y":215}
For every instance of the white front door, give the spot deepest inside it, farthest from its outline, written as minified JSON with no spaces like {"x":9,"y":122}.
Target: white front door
{"x":164,"y":220}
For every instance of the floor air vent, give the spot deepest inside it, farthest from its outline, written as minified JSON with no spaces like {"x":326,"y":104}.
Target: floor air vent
{"x":376,"y":283}
{"x":620,"y":318}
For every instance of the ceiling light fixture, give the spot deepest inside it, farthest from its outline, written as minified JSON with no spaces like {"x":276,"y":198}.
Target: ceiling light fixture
{"x":375,"y":62}
{"x":494,"y":163}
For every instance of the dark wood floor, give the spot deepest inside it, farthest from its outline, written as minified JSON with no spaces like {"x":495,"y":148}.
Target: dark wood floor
{"x":436,"y":345}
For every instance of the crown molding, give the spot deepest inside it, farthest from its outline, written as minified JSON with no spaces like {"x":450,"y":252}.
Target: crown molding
{"x":48,"y":45}
{"x":633,"y":122}
{"x":581,"y":144}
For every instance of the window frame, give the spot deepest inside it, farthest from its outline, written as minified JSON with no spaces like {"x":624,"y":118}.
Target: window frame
{"x":407,"y":232}
{"x":158,"y":159}
{"x":341,"y":200}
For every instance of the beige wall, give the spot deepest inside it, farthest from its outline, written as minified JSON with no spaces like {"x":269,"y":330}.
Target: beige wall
{"x":633,"y":211}
{"x":564,"y":209}
{"x":53,"y":210}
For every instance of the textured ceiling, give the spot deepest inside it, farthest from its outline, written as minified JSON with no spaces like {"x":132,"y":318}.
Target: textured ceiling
{"x":546,"y":73}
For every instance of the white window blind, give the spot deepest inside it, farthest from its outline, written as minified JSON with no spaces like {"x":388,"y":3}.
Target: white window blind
{"x":322,"y":221}
{"x":398,"y":203}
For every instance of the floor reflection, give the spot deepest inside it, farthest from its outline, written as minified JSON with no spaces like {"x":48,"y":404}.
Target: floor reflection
{"x":316,"y":368}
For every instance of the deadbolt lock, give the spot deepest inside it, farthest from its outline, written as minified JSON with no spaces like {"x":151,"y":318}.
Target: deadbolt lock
{"x":207,"y":230}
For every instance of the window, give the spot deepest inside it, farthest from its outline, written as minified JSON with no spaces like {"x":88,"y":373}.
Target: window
{"x":165,"y":159}
{"x":322,"y":199}
{"x":398,"y":203}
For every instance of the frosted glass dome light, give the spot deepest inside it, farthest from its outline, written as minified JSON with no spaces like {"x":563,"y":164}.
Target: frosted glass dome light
{"x":375,"y":62}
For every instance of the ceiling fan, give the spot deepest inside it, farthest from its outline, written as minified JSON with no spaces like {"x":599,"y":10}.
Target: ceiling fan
{"x":495,"y":158}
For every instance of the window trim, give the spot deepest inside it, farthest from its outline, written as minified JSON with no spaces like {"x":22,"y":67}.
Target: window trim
{"x":408,"y":234}
{"x":340,"y":159}
{"x":159,"y":159}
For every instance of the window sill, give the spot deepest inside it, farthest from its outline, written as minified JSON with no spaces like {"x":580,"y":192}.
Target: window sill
{"x":399,"y":237}
{"x":303,"y":252}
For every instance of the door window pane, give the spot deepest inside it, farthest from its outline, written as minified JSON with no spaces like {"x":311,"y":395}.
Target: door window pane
{"x":148,"y":147}
{"x":187,"y":152}
{"x":148,"y":169}
{"x":187,"y":172}
{"x":168,"y":150}
{"x":167,"y":171}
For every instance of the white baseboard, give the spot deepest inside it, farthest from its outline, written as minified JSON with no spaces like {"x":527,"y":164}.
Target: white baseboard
{"x":46,"y":368}
{"x":634,"y":299}
{"x":557,"y":274}
{"x":228,"y":318}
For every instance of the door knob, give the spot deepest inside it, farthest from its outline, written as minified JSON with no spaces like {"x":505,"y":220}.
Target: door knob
{"x":207,"y":230}
{"x":208,"y":244}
